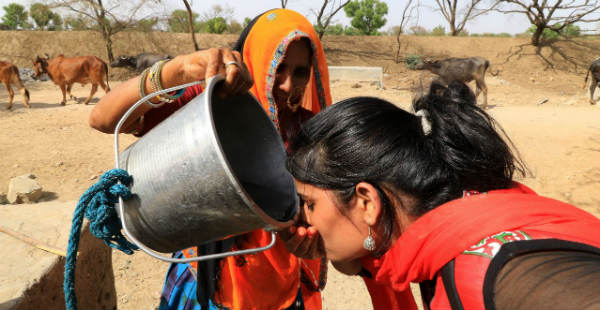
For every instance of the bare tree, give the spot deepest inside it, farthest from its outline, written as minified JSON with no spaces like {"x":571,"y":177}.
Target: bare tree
{"x":284,"y":3}
{"x":103,"y":16}
{"x":555,"y":16}
{"x":225,"y":11}
{"x":458,"y":14}
{"x":191,"y":24}
{"x":326,"y":13}
{"x":410,"y":11}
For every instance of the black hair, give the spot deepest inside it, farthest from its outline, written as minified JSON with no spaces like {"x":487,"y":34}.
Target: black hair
{"x":365,"y":139}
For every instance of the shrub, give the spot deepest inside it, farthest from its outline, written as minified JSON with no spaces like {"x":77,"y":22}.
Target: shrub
{"x":463,"y":33}
{"x":570,"y":30}
{"x":412,"y":60}
{"x":418,"y":30}
{"x":438,"y":31}
{"x":350,"y":31}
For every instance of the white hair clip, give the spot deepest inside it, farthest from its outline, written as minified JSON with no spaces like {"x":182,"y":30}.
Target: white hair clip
{"x":425,"y":122}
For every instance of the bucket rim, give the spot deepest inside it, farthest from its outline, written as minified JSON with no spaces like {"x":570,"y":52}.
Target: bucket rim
{"x":272,"y":224}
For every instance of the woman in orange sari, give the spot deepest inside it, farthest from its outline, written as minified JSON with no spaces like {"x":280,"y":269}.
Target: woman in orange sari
{"x":281,"y":53}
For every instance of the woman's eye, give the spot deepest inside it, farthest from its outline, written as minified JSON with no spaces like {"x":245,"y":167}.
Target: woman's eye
{"x":280,"y":69}
{"x":303,"y":203}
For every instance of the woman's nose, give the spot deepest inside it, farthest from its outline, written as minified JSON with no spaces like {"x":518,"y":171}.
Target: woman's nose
{"x":286,"y":83}
{"x":306,"y":215}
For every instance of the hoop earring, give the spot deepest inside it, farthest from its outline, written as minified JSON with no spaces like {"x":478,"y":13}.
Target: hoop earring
{"x":369,"y":243}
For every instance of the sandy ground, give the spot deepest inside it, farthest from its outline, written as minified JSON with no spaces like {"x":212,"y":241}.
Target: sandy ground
{"x":559,"y":140}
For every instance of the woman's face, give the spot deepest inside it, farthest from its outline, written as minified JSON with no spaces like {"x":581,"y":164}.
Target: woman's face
{"x":292,"y":74}
{"x":343,"y":234}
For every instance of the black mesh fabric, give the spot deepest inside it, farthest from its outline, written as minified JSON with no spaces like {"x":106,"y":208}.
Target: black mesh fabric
{"x":562,"y":278}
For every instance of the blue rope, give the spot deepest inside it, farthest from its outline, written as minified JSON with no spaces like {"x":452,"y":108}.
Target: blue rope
{"x":98,"y":206}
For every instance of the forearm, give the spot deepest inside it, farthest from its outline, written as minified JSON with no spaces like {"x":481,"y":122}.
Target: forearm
{"x":180,"y":70}
{"x":109,"y":110}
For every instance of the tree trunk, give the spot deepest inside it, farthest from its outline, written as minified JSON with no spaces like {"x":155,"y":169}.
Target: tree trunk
{"x":108,"y":42}
{"x":453,"y":31}
{"x":399,"y":46}
{"x":191,"y":24}
{"x":537,"y":35}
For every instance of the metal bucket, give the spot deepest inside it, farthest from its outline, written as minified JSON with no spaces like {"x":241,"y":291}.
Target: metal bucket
{"x":213,"y":169}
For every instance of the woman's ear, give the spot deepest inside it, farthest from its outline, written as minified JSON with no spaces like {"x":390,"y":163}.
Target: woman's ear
{"x":369,"y":202}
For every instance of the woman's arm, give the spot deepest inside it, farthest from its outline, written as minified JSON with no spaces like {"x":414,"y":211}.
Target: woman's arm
{"x":180,"y":70}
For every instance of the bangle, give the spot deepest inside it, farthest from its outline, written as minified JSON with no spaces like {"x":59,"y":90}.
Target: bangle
{"x":175,"y":94}
{"x":155,"y":74}
{"x":154,"y":77}
{"x":142,"y":82}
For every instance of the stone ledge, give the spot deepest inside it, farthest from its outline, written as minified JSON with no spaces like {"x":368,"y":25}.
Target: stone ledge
{"x":31,"y":278}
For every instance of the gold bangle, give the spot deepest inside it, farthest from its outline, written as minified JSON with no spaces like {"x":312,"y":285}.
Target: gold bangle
{"x":142,"y":85}
{"x":155,"y":81}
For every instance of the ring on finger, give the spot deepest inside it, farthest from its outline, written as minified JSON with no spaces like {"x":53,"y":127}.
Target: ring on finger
{"x":233,"y":62}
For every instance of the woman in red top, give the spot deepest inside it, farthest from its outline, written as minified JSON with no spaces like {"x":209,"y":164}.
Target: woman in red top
{"x":429,"y":198}
{"x":280,"y":60}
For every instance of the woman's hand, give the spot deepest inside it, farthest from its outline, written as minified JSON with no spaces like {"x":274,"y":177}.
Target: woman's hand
{"x":206,"y":64}
{"x":303,"y":241}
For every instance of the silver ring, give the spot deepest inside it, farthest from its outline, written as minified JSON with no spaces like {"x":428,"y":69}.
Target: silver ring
{"x":233,"y":62}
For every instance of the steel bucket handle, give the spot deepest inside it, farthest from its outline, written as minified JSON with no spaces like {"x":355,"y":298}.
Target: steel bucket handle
{"x":209,"y":88}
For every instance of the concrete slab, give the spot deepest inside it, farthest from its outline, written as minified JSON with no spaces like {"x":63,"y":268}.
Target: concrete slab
{"x":31,"y":278}
{"x":357,"y":74}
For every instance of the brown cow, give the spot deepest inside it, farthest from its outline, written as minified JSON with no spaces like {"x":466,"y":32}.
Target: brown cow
{"x":65,"y":71}
{"x":9,"y":73}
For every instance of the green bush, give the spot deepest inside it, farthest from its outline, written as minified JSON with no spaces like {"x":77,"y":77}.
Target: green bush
{"x":570,"y":30}
{"x":547,"y":33}
{"x":438,"y":31}
{"x":463,"y":33}
{"x":216,"y":25}
{"x":412,"y":60}
{"x":351,"y":31}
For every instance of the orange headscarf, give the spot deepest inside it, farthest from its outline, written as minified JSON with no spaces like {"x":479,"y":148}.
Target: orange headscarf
{"x":271,"y":279}
{"x":264,"y":49}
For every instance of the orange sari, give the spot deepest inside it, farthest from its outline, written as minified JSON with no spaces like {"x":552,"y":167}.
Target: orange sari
{"x":271,"y":279}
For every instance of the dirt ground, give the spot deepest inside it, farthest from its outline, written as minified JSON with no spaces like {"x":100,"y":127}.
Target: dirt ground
{"x":558,"y":139}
